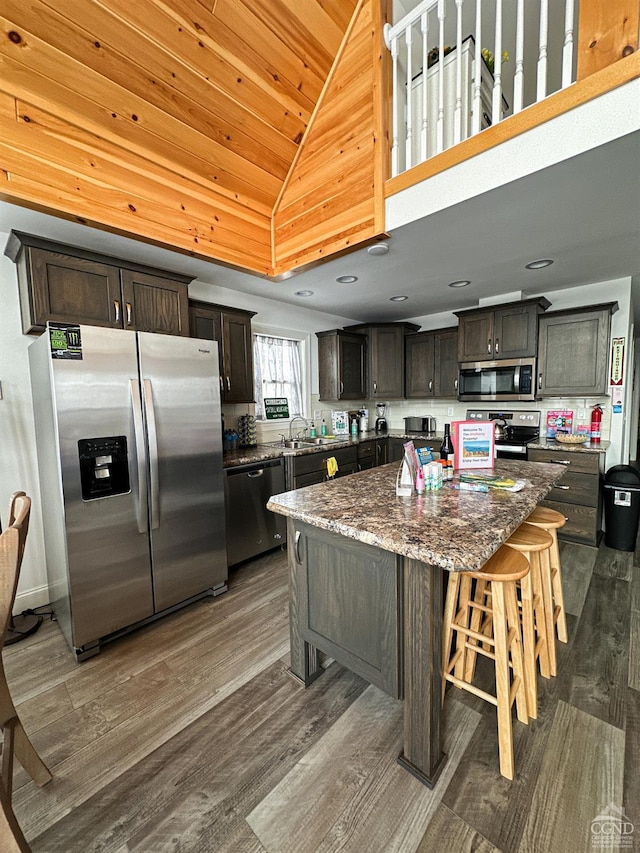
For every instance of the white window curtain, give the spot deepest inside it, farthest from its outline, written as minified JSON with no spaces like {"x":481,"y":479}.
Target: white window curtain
{"x":278,"y":372}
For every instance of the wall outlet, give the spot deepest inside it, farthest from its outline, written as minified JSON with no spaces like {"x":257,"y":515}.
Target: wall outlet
{"x":582,"y":414}
{"x":450,"y":411}
{"x":317,"y":415}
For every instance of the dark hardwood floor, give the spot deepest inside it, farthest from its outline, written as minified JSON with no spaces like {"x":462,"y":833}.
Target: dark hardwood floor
{"x":189,"y":735}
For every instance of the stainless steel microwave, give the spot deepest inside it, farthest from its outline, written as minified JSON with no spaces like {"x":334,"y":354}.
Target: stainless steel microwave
{"x":508,"y":379}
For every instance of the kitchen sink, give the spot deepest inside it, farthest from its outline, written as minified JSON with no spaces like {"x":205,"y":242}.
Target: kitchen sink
{"x":300,"y":443}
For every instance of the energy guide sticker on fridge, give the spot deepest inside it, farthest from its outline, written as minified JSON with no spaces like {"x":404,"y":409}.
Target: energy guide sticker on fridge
{"x":65,"y":341}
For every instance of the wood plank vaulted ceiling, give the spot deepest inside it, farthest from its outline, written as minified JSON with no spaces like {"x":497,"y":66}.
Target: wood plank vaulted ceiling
{"x":176,"y":120}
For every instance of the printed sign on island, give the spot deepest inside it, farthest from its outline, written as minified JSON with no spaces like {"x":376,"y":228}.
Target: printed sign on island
{"x":473,"y":443}
{"x":276,"y":407}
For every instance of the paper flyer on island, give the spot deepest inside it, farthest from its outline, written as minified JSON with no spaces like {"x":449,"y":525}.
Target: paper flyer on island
{"x":473,"y":443}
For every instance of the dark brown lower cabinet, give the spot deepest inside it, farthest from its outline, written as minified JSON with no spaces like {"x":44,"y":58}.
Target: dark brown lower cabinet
{"x":349,"y":599}
{"x":578,"y":495}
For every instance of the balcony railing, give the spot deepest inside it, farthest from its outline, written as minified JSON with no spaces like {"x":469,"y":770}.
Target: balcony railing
{"x":460,"y":66}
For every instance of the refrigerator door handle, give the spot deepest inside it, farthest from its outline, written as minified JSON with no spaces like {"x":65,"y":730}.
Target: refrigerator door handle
{"x":153,"y":454}
{"x":138,"y":431}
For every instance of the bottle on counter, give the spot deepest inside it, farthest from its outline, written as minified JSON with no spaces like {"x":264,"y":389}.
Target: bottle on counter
{"x":323,"y":427}
{"x":312,"y":430}
{"x":446,"y":448}
{"x":354,"y":428}
{"x":420,"y":485}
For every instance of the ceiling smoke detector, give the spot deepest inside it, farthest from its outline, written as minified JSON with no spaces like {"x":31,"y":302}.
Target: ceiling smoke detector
{"x":378,"y":249}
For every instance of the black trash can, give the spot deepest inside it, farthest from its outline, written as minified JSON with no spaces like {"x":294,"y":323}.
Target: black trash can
{"x":621,"y":507}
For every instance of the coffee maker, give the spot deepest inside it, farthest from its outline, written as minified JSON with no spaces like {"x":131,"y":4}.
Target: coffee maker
{"x":381,"y":421}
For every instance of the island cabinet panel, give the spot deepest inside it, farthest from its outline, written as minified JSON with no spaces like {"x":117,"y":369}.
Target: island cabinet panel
{"x":506,"y":331}
{"x":231,"y":328}
{"x":431,"y":364}
{"x":64,"y":284}
{"x":350,"y":598}
{"x":573,"y":350}
{"x":342,"y":365}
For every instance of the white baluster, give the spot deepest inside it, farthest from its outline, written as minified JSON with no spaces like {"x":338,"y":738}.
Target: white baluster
{"x":457,"y":113}
{"x":424,"y":131}
{"x":476,"y":124}
{"x":395,"y":165}
{"x":567,"y":50}
{"x":541,"y":92}
{"x":408,"y":35}
{"x":440,"y":125}
{"x":496,"y":104}
{"x":518,"y":77}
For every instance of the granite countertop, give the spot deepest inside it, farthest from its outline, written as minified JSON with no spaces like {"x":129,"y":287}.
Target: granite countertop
{"x":552,"y":444}
{"x":263,"y":452}
{"x":448,"y":528}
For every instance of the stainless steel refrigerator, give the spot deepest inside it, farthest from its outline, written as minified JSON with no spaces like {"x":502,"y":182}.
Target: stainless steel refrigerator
{"x":131,"y":481}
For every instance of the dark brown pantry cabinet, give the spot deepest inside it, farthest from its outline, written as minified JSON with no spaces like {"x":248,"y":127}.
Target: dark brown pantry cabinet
{"x":342,"y":365}
{"x":431,"y":368}
{"x":64,"y":284}
{"x":231,"y":328}
{"x":504,"y":331}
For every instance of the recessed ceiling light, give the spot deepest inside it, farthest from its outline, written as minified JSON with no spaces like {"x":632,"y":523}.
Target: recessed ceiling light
{"x":347,"y":279}
{"x":398,"y":298}
{"x":538,"y":265}
{"x":303,"y":293}
{"x":462,"y":283}
{"x":378,"y":249}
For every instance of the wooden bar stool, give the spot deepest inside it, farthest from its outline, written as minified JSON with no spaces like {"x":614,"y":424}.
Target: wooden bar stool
{"x":537,"y":625}
{"x":551,"y":520}
{"x":501,"y":643}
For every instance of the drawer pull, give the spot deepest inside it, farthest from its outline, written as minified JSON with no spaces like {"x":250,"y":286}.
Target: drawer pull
{"x":563,"y":461}
{"x":297,"y":547}
{"x":565,"y":488}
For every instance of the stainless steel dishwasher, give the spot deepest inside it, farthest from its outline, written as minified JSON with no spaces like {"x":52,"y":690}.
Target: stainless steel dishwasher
{"x":251,"y":528}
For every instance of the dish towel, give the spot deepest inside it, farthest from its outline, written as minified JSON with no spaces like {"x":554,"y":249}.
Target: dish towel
{"x":332,"y":467}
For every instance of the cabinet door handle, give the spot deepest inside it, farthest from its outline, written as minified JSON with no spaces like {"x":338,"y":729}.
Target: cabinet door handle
{"x":455,"y":384}
{"x":489,"y":346}
{"x":128,"y":306}
{"x":221,"y":384}
{"x":116,"y":307}
{"x":431,"y":385}
{"x":341,"y":386}
{"x":564,"y":488}
{"x":497,"y":342}
{"x":539,"y":380}
{"x":296,"y":547}
{"x":563,"y":461}
{"x":375,"y":387}
{"x":228,"y":384}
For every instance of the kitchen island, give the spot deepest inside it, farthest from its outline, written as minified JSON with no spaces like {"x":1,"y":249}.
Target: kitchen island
{"x":366,"y":581}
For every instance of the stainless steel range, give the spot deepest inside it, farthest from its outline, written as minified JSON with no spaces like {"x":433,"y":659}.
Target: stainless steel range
{"x":517,"y":429}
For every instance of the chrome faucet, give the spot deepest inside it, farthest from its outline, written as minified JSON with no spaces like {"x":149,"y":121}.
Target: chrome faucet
{"x":291,"y":423}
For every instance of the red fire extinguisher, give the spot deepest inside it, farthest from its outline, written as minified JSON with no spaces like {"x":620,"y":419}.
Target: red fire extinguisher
{"x":596,"y":420}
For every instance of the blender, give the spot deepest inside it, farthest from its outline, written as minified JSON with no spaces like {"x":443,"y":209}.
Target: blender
{"x":381,"y":421}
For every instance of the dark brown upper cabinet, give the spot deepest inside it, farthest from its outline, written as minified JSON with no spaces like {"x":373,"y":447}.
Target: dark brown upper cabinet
{"x":231,"y":328}
{"x":504,"y":331}
{"x":63,"y":284}
{"x":573,"y":351}
{"x":431,"y":364}
{"x":385,"y":360}
{"x":342,"y":365}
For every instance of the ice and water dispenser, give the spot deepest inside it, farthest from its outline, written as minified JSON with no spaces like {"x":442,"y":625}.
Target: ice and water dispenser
{"x":104,"y":467}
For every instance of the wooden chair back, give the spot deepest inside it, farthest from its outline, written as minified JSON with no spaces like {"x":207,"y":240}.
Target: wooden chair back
{"x":19,"y":513}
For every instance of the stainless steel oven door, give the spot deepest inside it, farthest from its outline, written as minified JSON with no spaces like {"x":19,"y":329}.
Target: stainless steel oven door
{"x":511,"y":451}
